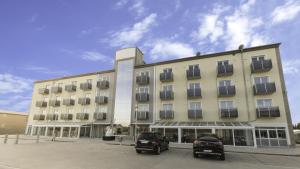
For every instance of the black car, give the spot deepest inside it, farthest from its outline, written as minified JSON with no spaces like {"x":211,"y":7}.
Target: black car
{"x":151,"y":141}
{"x":208,"y":144}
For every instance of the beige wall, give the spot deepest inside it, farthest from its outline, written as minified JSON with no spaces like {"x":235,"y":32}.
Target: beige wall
{"x":11,"y":123}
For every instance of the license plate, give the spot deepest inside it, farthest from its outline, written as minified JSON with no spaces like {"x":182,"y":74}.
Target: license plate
{"x":207,"y":151}
{"x":144,"y":142}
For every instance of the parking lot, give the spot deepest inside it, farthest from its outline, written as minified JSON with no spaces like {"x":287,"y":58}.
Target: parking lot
{"x":95,"y":155}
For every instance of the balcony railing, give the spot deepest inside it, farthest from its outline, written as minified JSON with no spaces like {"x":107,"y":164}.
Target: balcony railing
{"x":264,"y":88}
{"x":166,"y":114}
{"x":229,"y":113}
{"x":195,"y":114}
{"x":85,"y":86}
{"x":99,"y":116}
{"x":43,"y":91}
{"x":70,"y":88}
{"x":41,"y":104}
{"x":84,"y":101}
{"x":101,"y":99}
{"x":142,"y":115}
{"x":166,"y":77}
{"x":142,"y":97}
{"x":193,"y":74}
{"x":194,"y":93}
{"x":103,"y":84}
{"x":261,"y":66}
{"x":39,"y":117}
{"x":56,"y":89}
{"x":142,"y":80}
{"x":225,"y":91}
{"x":69,"y":102}
{"x":66,"y":116}
{"x":225,"y":70}
{"x":54,"y":103}
{"x":52,"y":117}
{"x":166,"y":95}
{"x":267,"y":112}
{"x":82,"y":116}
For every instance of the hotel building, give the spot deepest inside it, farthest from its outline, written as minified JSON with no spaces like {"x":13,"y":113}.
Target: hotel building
{"x":240,"y":95}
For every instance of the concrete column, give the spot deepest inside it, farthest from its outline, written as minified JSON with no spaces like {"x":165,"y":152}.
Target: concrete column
{"x":195,"y":133}
{"x":213,"y":130}
{"x":46,"y":131}
{"x":233,"y":137}
{"x":179,"y":135}
{"x":78,"y":134}
{"x":69,"y":135}
{"x":61,"y":131}
{"x":254,"y":138}
{"x":31,"y":131}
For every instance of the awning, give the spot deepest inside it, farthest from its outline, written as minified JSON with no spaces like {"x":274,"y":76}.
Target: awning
{"x":216,"y":124}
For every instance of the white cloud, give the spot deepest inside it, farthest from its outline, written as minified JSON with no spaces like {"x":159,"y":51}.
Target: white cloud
{"x":164,"y":49}
{"x":45,"y":70}
{"x":286,"y":12}
{"x":14,"y":84}
{"x":291,"y":67}
{"x":120,"y":4}
{"x":131,"y":35}
{"x":177,"y":4}
{"x":138,"y":8}
{"x":94,"y":56}
{"x":15,"y":103}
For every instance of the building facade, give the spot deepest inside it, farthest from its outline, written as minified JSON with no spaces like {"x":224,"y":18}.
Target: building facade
{"x":12,"y":122}
{"x":239,"y":95}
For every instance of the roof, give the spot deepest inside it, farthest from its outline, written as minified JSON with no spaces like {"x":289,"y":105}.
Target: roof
{"x":268,"y":46}
{"x":204,"y":124}
{"x":14,"y":113}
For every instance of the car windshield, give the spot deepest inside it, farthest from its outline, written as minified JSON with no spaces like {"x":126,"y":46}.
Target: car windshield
{"x":146,"y":136}
{"x":208,"y":137}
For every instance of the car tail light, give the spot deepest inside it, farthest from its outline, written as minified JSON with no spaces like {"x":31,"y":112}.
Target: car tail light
{"x":197,"y":142}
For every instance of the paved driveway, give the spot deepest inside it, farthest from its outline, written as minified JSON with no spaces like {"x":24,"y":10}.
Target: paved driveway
{"x":94,"y":155}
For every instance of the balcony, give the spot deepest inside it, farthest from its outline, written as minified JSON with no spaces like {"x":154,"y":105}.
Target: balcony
{"x":229,"y":113}
{"x":99,"y":116}
{"x":84,"y":101}
{"x":39,"y":117}
{"x":166,"y":114}
{"x":85,"y":86}
{"x":267,"y":112}
{"x":69,"y":102}
{"x":194,"y":93}
{"x":66,"y":116}
{"x":70,"y":88}
{"x":52,"y":117}
{"x":56,"y":89}
{"x":261,"y":66}
{"x":82,"y":116}
{"x":43,"y":91}
{"x":103,"y":84}
{"x":142,"y":97}
{"x":54,"y":103}
{"x":192,"y":74}
{"x":166,"y":77}
{"x":41,"y":104}
{"x":264,"y":88}
{"x":225,"y":70}
{"x":101,"y":99}
{"x":166,"y":95}
{"x":142,"y":80}
{"x":226,"y":91}
{"x":194,"y":114}
{"x":142,"y":115}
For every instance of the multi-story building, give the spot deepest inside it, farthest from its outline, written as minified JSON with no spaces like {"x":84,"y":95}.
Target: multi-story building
{"x":239,"y":95}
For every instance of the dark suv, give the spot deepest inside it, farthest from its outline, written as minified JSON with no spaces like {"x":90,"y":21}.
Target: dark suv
{"x":151,"y":141}
{"x":208,"y":144}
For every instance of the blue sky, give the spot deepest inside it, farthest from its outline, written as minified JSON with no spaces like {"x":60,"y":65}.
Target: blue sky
{"x":48,"y":39}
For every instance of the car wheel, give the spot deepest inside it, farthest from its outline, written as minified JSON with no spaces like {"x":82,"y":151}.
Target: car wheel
{"x":158,"y":150}
{"x":222,"y":157}
{"x":138,"y":151}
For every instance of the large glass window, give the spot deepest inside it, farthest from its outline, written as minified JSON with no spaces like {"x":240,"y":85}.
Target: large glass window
{"x":167,"y":88}
{"x":194,"y":86}
{"x":224,"y":62}
{"x":261,"y":80}
{"x":194,"y":106}
{"x":188,"y":135}
{"x":226,"y":104}
{"x":224,"y":83}
{"x":143,"y":89}
{"x":226,"y":135}
{"x":271,"y":136}
{"x":167,"y":107}
{"x":264,"y":103}
{"x":172,"y":135}
{"x":243,"y":138}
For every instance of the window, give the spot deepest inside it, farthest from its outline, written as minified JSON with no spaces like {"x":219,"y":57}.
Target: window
{"x":103,"y":109}
{"x":144,"y":73}
{"x":70,"y":111}
{"x":258,"y":58}
{"x":281,"y":134}
{"x":74,"y":83}
{"x":261,"y":80}
{"x":85,"y":110}
{"x":194,"y":86}
{"x":60,"y":84}
{"x":88,"y":95}
{"x":167,"y":107}
{"x":57,"y":98}
{"x":264,"y":103}
{"x":143,"y":107}
{"x":193,"y":67}
{"x":223,"y":63}
{"x":195,"y":106}
{"x":143,"y":90}
{"x":89,"y":81}
{"x":226,"y":104}
{"x":167,"y":70}
{"x":55,"y":111}
{"x":47,"y":87}
{"x":46,"y":99}
{"x":272,"y":134}
{"x":224,"y":83}
{"x":168,"y":88}
{"x":73,"y":97}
